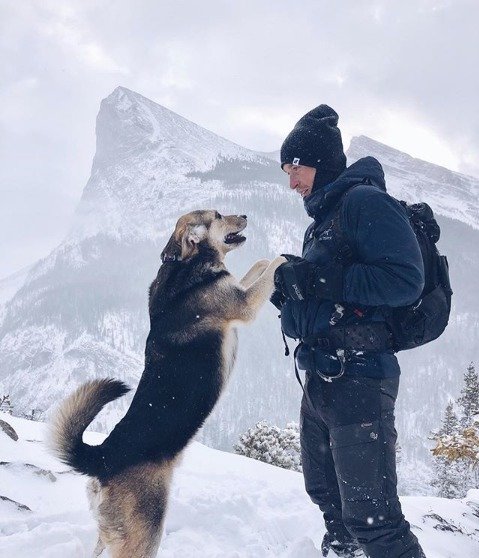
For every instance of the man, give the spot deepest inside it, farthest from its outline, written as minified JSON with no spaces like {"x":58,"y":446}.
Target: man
{"x":360,"y":258}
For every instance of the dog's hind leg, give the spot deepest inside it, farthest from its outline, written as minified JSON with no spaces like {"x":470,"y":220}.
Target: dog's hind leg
{"x":132,"y":510}
{"x":132,"y":531}
{"x":93,"y":490}
{"x":143,"y":541}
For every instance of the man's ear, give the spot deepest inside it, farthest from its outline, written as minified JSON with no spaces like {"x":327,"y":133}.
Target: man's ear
{"x":190,"y":239}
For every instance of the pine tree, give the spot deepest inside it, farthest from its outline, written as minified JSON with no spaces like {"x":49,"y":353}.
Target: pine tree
{"x":5,"y":404}
{"x":36,"y":415}
{"x":469,"y":400}
{"x":270,"y":444}
{"x":398,"y":453}
{"x":450,"y":423}
{"x":448,"y":476}
{"x":456,"y":455}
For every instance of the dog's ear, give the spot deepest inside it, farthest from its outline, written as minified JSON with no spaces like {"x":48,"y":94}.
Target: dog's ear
{"x":172,"y":251}
{"x":183,"y":243}
{"x":190,"y":239}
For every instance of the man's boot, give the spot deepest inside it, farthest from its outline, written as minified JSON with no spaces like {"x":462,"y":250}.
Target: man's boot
{"x":349,"y":549}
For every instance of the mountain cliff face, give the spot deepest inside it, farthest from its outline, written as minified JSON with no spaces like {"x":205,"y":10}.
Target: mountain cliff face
{"x":81,"y":312}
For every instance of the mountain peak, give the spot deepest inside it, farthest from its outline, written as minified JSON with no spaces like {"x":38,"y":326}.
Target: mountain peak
{"x":121,"y":97}
{"x":129,"y":126}
{"x":124,"y":99}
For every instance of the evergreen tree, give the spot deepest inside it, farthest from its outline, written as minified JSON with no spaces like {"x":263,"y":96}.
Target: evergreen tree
{"x":469,"y":399}
{"x":36,"y":415}
{"x":448,"y":476}
{"x":6,"y":405}
{"x":398,"y":453}
{"x":270,"y":444}
{"x":450,"y":423}
{"x":456,"y":455}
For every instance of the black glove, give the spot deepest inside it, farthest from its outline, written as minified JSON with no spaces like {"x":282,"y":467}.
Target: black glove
{"x":328,"y":281}
{"x":300,"y":279}
{"x":295,"y":278}
{"x":278,"y":299}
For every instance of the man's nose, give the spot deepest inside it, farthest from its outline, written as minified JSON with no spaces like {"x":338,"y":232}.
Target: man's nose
{"x":293,"y":182}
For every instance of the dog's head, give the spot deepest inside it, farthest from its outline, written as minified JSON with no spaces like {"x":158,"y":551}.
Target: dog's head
{"x":204,"y":230}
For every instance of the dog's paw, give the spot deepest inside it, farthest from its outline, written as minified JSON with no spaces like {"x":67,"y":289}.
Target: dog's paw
{"x":280,"y":260}
{"x":262,"y":264}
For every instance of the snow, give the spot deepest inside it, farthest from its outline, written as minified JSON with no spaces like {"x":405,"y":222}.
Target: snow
{"x":222,"y":505}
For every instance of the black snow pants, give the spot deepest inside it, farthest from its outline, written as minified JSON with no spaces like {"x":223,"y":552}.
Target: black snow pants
{"x":348,"y":444}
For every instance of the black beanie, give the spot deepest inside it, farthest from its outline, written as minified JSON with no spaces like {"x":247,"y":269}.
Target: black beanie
{"x":316,"y":142}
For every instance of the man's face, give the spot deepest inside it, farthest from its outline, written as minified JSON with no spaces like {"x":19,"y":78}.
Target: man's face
{"x":301,"y":178}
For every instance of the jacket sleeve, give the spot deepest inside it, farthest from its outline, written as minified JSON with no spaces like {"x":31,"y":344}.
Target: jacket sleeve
{"x":390,"y":269}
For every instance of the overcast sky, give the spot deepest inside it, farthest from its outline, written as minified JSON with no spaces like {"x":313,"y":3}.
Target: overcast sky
{"x":403,"y":72}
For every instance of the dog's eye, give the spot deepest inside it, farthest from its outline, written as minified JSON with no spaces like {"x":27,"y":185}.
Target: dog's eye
{"x":218,"y":215}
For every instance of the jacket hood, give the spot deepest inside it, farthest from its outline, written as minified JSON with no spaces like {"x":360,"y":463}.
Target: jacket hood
{"x":367,"y":170}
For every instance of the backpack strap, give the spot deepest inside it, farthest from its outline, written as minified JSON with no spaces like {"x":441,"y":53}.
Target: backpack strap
{"x":345,"y":253}
{"x":369,"y":336}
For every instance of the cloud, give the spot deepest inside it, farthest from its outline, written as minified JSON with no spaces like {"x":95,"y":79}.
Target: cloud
{"x":67,"y":33}
{"x":403,"y":73}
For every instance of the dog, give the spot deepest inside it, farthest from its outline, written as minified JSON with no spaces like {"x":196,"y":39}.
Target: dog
{"x":195,"y":305}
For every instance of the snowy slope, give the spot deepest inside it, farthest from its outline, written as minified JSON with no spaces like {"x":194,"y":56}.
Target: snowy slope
{"x":81,"y":312}
{"x":222,"y":506}
{"x":11,"y":285}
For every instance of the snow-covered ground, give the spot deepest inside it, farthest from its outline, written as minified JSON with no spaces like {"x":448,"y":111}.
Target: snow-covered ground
{"x":222,"y":505}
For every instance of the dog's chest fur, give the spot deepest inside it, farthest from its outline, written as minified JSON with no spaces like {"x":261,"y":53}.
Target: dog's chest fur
{"x":229,"y":351}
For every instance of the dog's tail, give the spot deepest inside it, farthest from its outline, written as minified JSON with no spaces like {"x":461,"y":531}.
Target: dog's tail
{"x":72,"y":418}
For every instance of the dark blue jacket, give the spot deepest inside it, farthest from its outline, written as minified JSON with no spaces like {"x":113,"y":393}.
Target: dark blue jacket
{"x":387,"y":270}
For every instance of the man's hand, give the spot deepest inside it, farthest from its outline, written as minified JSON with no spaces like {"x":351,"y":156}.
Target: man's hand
{"x":294,"y":278}
{"x":277,"y":299}
{"x":299,"y":279}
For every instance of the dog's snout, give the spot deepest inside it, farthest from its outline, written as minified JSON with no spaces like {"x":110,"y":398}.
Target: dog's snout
{"x":244,"y":216}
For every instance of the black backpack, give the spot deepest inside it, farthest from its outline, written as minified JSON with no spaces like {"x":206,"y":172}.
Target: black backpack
{"x":419,"y":323}
{"x":425,"y":320}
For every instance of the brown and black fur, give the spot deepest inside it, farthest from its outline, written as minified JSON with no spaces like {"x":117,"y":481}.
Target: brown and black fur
{"x":194,"y":305}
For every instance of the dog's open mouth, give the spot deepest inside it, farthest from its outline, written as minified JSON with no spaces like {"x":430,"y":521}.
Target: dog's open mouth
{"x":234,"y":238}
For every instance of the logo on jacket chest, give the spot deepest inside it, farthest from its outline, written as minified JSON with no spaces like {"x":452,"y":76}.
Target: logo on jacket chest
{"x":320,"y":245}
{"x":327,"y":234}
